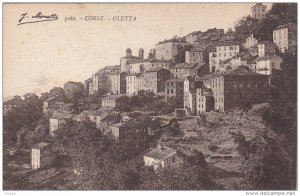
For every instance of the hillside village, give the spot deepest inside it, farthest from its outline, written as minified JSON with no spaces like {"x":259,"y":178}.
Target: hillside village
{"x":193,"y":100}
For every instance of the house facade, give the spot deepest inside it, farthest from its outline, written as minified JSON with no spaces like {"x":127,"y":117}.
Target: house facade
{"x":222,"y":52}
{"x":155,"y":79}
{"x":285,"y":37}
{"x":41,"y":155}
{"x":231,"y":88}
{"x":266,"y":65}
{"x":167,"y":50}
{"x":162,"y":156}
{"x":175,"y":88}
{"x":117,"y":82}
{"x":115,"y":101}
{"x":266,"y":48}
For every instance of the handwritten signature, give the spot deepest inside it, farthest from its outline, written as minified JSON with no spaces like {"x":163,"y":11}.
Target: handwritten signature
{"x":39,"y":17}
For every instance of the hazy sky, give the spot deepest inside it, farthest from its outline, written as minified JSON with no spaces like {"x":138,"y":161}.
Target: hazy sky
{"x":42,"y":55}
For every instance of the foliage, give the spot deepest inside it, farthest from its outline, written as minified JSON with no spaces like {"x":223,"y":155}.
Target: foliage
{"x":141,"y":98}
{"x":280,"y":13}
{"x":22,"y":118}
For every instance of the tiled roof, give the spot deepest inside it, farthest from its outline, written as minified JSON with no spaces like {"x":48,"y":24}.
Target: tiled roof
{"x":238,"y":71}
{"x":161,"y":153}
{"x":228,"y":43}
{"x":283,"y":26}
{"x":266,"y":58}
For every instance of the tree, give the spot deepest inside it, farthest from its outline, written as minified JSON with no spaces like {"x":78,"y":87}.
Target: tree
{"x":244,"y":27}
{"x":22,"y":118}
{"x":86,"y":146}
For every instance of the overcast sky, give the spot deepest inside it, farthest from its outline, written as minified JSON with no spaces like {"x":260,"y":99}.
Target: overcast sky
{"x":39,"y":56}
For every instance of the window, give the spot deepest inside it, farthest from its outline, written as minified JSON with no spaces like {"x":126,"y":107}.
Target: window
{"x":241,"y":85}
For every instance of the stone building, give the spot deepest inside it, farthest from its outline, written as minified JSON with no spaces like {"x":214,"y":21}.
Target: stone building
{"x":251,"y":41}
{"x":184,"y":70}
{"x":132,"y":135}
{"x":204,"y":100}
{"x":143,"y":66}
{"x":119,"y":102}
{"x":13,"y":103}
{"x":155,"y":80}
{"x":191,"y":38}
{"x":189,"y":100}
{"x":51,"y":103}
{"x":266,"y":48}
{"x":129,"y":59}
{"x":168,"y":50}
{"x":195,"y":55}
{"x":285,"y":37}
{"x":222,"y":52}
{"x":132,"y":83}
{"x":258,"y":11}
{"x":88,"y":86}
{"x":41,"y":155}
{"x":266,"y":65}
{"x":231,"y":88}
{"x":175,"y":88}
{"x":162,"y":156}
{"x":117,"y":82}
{"x":73,"y":90}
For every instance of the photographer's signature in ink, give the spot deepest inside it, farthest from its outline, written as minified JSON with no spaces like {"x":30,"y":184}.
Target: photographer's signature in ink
{"x":39,"y":17}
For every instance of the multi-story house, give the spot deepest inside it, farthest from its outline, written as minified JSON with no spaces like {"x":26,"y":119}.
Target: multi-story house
{"x":285,"y":37}
{"x":175,"y":88}
{"x":41,"y":155}
{"x":115,"y":101}
{"x":189,"y":100}
{"x":266,"y":65}
{"x":132,"y":84}
{"x":183,"y":70}
{"x":88,"y":86}
{"x":155,"y":79}
{"x":231,"y":88}
{"x":251,"y":41}
{"x":222,"y":52}
{"x":117,"y":82}
{"x":168,"y":50}
{"x":51,"y":103}
{"x":132,"y":135}
{"x":204,"y":100}
{"x":258,"y":11}
{"x":196,"y":55}
{"x":266,"y":48}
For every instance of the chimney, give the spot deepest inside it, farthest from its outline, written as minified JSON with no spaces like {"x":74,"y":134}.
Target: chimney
{"x":141,"y":53}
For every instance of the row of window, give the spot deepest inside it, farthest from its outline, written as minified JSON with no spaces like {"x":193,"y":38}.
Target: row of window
{"x":228,"y":47}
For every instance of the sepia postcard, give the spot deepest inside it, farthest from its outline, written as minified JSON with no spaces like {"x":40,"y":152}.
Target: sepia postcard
{"x":150,"y":96}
